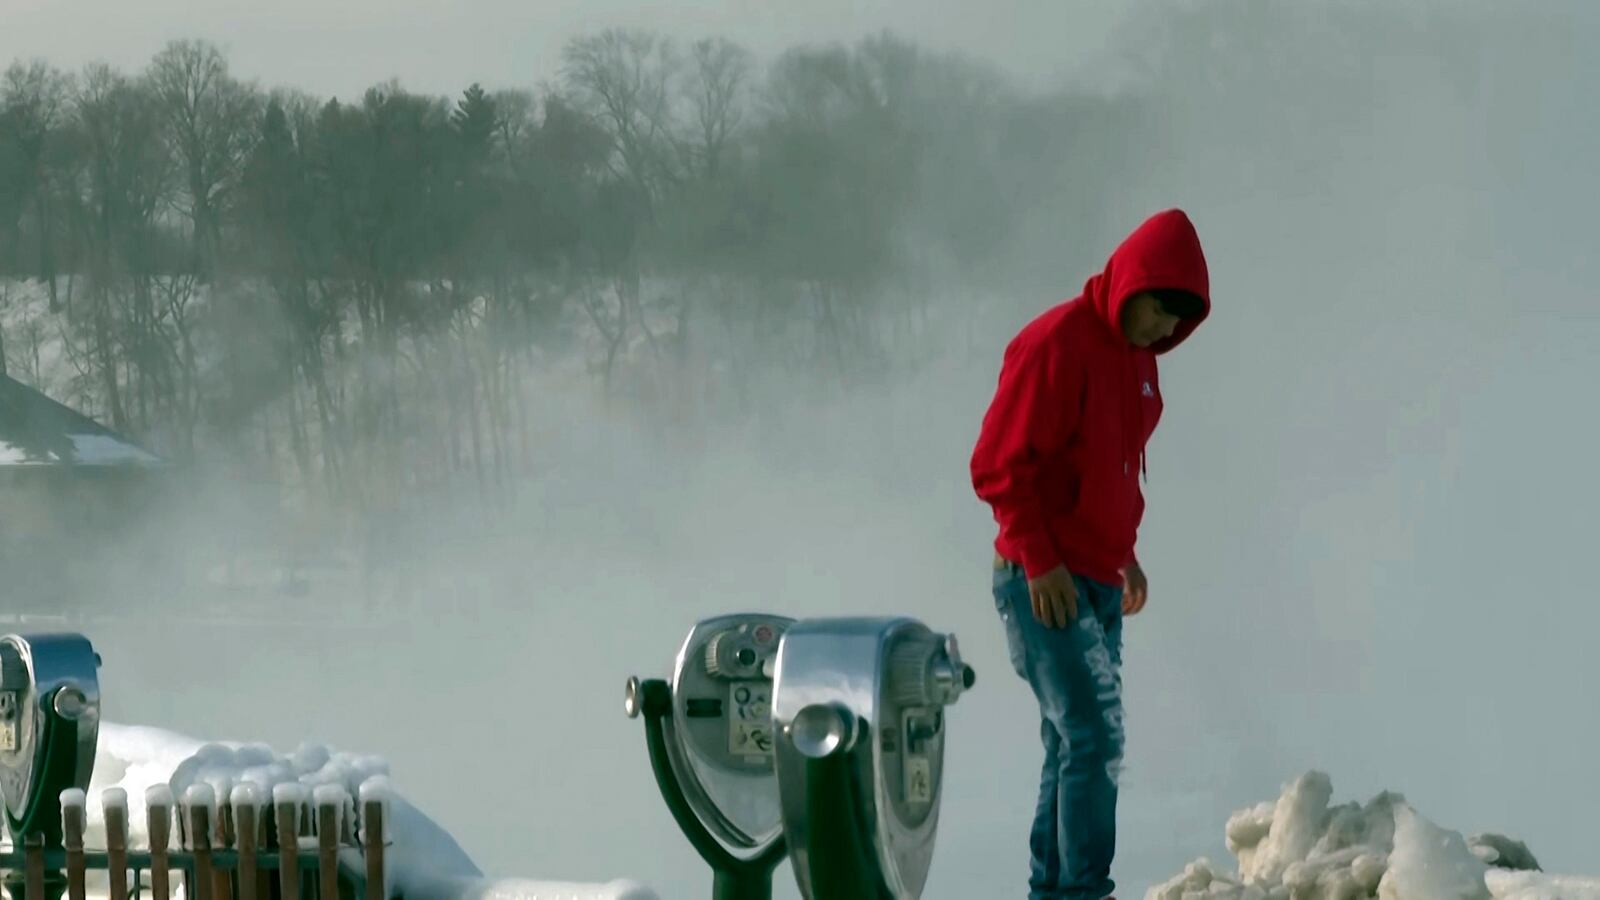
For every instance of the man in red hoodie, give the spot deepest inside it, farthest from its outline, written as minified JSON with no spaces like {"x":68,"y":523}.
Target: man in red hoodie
{"x":1059,"y":459}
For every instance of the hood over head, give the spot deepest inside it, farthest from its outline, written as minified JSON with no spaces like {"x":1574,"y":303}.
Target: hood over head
{"x":1163,"y":252}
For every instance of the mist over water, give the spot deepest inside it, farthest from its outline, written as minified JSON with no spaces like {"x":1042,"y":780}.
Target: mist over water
{"x":1371,"y":496}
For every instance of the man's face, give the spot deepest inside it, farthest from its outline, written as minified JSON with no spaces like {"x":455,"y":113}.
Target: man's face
{"x":1144,"y":322}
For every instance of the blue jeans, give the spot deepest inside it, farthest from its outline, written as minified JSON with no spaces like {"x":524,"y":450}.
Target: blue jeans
{"x":1075,"y":673}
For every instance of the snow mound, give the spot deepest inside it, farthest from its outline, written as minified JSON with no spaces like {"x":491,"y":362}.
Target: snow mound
{"x":141,"y":765}
{"x":1504,"y":885}
{"x":1302,"y":847}
{"x":519,"y":889}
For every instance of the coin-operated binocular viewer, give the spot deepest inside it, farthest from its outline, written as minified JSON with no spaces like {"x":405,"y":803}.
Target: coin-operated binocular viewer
{"x":711,"y":745}
{"x":823,"y":739}
{"x":859,"y":713}
{"x":49,"y":724}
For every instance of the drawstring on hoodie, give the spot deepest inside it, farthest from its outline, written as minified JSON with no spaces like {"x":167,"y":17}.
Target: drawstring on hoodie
{"x":1137,"y":393}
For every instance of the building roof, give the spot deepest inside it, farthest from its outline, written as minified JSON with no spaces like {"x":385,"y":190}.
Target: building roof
{"x":37,"y":431}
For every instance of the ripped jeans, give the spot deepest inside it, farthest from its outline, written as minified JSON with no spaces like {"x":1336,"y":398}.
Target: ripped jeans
{"x":1075,"y":673}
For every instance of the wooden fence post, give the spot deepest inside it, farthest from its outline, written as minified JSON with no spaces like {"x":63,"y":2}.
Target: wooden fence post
{"x":158,"y":802}
{"x":224,"y":838}
{"x":33,"y":862}
{"x":287,"y":800}
{"x":246,"y":801}
{"x":223,"y":834}
{"x":73,"y":803}
{"x":375,"y":800}
{"x":197,"y":802}
{"x":331,"y":801}
{"x":115,"y":803}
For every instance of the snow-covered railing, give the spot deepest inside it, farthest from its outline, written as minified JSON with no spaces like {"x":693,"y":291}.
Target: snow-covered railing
{"x":318,"y":846}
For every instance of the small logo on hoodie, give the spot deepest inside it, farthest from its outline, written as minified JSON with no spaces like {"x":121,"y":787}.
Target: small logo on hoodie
{"x":1148,"y":391}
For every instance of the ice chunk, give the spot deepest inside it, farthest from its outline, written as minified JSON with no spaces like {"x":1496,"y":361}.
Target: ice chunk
{"x":1302,"y":848}
{"x":1429,"y":861}
{"x":1199,"y":878}
{"x":1367,"y":870}
{"x":1298,"y":821}
{"x":1247,"y":828}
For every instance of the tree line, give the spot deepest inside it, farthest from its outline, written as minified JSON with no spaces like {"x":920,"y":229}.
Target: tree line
{"x":358,"y":290}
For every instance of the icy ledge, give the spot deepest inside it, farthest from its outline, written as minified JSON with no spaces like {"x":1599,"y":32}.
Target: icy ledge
{"x":1301,"y":848}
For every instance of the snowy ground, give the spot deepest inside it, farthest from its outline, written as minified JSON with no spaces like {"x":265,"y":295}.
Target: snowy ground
{"x":426,"y":861}
{"x":1300,"y":847}
{"x":1303,"y":848}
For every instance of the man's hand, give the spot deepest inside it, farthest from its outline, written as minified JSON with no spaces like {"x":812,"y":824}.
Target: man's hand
{"x":1055,"y":598}
{"x":1135,"y":590}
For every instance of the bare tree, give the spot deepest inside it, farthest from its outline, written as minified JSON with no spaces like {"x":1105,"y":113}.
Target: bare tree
{"x":721,"y":73}
{"x":209,"y":118}
{"x":515,"y":125}
{"x":127,"y":178}
{"x":5,"y":303}
{"x":34,"y":107}
{"x":624,"y":79}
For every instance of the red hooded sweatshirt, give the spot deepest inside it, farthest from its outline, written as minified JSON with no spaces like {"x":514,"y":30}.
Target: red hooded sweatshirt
{"x":1062,"y":445}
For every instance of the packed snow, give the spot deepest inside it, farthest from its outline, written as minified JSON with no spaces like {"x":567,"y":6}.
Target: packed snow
{"x":247,"y":795}
{"x":143,"y":766}
{"x":1302,"y":848}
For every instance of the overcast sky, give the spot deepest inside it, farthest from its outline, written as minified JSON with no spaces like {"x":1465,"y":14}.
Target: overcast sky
{"x":441,"y":46}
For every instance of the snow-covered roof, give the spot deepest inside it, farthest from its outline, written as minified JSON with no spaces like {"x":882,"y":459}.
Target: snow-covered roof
{"x":37,"y":431}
